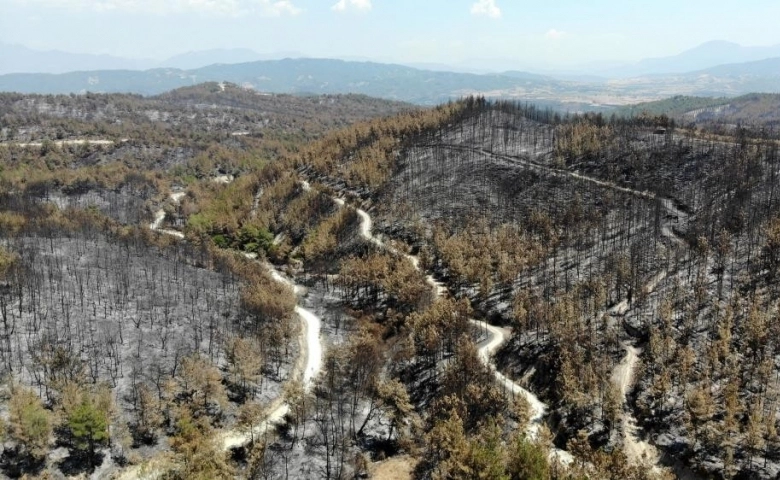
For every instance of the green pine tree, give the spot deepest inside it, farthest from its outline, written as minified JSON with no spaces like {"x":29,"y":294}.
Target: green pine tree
{"x":89,"y":427}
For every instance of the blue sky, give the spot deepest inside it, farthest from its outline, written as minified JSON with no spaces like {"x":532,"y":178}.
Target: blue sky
{"x":512,"y":33}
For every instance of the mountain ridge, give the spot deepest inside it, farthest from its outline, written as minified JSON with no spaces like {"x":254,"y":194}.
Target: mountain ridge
{"x":296,"y":76}
{"x":408,"y":84}
{"x":708,"y":55}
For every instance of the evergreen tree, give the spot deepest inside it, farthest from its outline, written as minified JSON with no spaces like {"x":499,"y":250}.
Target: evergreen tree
{"x":88,"y":425}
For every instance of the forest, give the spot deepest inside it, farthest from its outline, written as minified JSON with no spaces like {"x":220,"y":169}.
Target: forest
{"x":211,"y":284}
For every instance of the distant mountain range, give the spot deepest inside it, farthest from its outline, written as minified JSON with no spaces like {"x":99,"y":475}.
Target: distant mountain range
{"x":300,"y":76}
{"x":20,"y":59}
{"x":17,"y":59}
{"x":398,"y":82}
{"x":193,"y":60}
{"x":704,"y":56}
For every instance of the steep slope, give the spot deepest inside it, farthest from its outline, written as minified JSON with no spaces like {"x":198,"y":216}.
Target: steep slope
{"x":605,"y":246}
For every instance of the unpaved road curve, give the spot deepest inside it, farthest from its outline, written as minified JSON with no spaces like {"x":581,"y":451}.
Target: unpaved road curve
{"x":311,"y":351}
{"x":313,"y":325}
{"x":639,"y":452}
{"x":496,"y":337}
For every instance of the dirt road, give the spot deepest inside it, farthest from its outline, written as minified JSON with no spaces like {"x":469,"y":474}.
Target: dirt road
{"x":496,"y":337}
{"x":308,"y":369}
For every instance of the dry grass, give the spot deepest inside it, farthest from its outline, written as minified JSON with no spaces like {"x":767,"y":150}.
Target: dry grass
{"x":396,"y":468}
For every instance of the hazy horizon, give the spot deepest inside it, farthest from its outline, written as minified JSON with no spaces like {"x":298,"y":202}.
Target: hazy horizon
{"x":480,"y":35}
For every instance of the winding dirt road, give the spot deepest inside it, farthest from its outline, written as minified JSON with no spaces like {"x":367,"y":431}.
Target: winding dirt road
{"x":496,"y":338}
{"x":308,"y":367}
{"x":639,"y":452}
{"x":313,"y":327}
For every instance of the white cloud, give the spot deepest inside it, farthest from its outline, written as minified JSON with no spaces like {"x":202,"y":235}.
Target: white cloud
{"x":487,"y":8}
{"x":344,"y":5}
{"x":274,"y":8}
{"x":279,"y":8}
{"x":554,"y":34}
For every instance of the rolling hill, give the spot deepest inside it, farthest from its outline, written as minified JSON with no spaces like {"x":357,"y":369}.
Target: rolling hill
{"x":298,"y":76}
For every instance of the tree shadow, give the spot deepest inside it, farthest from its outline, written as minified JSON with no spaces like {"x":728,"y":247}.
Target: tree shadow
{"x":16,"y":464}
{"x":142,"y":437}
{"x":379,"y":448}
{"x":237,"y":393}
{"x":80,"y":462}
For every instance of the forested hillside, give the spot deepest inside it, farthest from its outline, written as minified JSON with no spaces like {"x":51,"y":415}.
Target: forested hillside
{"x":635,"y":269}
{"x":215,"y":284}
{"x":122,"y":345}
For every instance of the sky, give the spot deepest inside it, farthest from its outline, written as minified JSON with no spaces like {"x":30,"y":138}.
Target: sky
{"x":471,"y":33}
